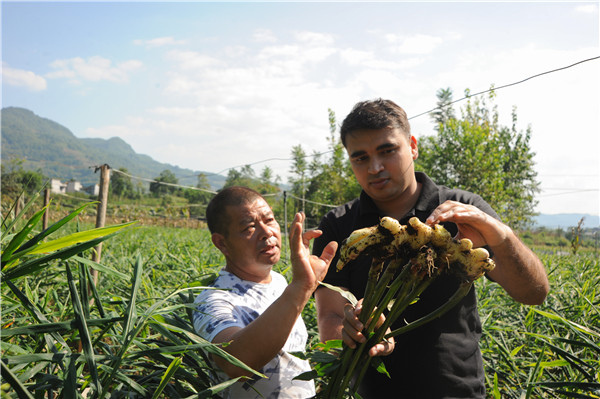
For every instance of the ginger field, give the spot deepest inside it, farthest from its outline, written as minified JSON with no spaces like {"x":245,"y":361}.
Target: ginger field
{"x":131,"y":335}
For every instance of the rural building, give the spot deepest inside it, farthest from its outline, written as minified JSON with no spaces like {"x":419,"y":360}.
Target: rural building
{"x":73,"y":186}
{"x":56,"y":186}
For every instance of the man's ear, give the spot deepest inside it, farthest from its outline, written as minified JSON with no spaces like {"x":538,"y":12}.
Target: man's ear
{"x":414,"y":149}
{"x":218,"y":240}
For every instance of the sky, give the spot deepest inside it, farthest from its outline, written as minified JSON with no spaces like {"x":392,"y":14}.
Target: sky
{"x":211,"y":86}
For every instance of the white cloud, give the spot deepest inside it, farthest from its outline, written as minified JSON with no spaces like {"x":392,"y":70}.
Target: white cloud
{"x":264,"y":36}
{"x":314,"y":38}
{"x":190,"y":60}
{"x":367,"y":59}
{"x":356,"y":57}
{"x":416,"y":44}
{"x":93,"y":69}
{"x":587,"y":8}
{"x":22,"y":78}
{"x":158,"y":42}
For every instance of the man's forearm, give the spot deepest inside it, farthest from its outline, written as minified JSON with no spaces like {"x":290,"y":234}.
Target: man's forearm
{"x":330,"y":327}
{"x":520,"y":272}
{"x":260,"y":341}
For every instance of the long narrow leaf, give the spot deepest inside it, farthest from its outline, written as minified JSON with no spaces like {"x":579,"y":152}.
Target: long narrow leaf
{"x":74,"y":238}
{"x":17,"y":240}
{"x":84,"y":333}
{"x":54,"y":227}
{"x":83,"y":292}
{"x":36,"y":313}
{"x":131,"y":311}
{"x":59,"y":357}
{"x":32,"y":266}
{"x":210,"y":392}
{"x":569,"y":323}
{"x":14,"y":382}
{"x":167,"y":376}
{"x":100,"y":267}
{"x":94,"y":290}
{"x":70,"y":382}
{"x":129,"y":333}
{"x":18,"y":217}
{"x":60,"y":327}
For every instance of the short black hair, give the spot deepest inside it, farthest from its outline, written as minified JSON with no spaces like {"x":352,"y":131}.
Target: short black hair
{"x":374,"y":114}
{"x":216,"y":211}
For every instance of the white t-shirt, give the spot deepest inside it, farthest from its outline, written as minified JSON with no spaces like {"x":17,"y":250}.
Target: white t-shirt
{"x":238,"y":302}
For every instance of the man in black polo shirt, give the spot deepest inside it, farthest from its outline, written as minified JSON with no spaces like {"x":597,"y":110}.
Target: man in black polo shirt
{"x":442,"y":358}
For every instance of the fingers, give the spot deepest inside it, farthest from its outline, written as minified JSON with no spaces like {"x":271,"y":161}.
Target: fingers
{"x":311,"y":234}
{"x":352,"y":327}
{"x":296,"y":233}
{"x":383,"y":348}
{"x":457,"y":212}
{"x":329,"y":252}
{"x":352,"y":331}
{"x":449,"y":211}
{"x":474,"y":224}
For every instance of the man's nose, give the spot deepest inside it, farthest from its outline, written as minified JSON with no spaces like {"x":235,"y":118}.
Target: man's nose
{"x":265,"y":231}
{"x":375,"y":165}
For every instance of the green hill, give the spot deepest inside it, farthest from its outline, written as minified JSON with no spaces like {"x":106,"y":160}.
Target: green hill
{"x":52,"y":148}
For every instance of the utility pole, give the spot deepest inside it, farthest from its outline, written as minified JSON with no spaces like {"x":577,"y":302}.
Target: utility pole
{"x":101,"y":212}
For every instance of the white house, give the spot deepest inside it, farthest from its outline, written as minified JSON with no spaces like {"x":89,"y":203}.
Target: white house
{"x":92,"y":190}
{"x":74,"y":186}
{"x":56,"y":186}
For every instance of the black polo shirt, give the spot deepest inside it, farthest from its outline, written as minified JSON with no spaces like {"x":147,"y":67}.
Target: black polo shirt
{"x":440,"y":359}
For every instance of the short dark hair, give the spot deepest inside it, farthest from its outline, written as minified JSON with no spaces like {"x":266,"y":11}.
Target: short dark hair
{"x":374,"y":114}
{"x":216,"y":211}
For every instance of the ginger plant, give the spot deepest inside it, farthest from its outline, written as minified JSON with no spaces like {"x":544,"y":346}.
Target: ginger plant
{"x":416,"y":254}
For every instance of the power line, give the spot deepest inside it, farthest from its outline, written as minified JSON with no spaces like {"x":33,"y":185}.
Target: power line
{"x":162,"y":182}
{"x":270,"y":159}
{"x":504,"y":86}
{"x":277,"y":194}
{"x":569,"y":192}
{"x":312,"y":202}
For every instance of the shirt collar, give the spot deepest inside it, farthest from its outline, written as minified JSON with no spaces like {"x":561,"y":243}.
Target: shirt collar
{"x":428,"y":199}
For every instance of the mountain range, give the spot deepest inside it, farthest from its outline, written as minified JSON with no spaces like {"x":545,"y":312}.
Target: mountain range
{"x":567,"y":220}
{"x":53,"y":149}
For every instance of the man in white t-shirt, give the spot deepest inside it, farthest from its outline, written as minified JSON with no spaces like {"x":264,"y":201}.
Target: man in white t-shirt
{"x":254,"y":311}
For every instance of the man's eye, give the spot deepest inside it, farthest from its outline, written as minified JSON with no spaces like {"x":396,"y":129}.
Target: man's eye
{"x":359,"y":159}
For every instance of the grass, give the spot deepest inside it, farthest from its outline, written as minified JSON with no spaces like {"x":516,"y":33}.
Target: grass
{"x":131,"y":335}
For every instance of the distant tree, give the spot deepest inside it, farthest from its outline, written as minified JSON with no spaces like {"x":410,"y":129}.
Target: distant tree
{"x":166,"y":176}
{"x":332,"y":180}
{"x":576,"y":236}
{"x":120,"y":184}
{"x":268,"y":184}
{"x":245,"y":177}
{"x":326,"y":180}
{"x":203,"y":182}
{"x":298,"y":176}
{"x":266,"y":176}
{"x":477,"y":154}
{"x":200,"y":197}
{"x":16,"y":180}
{"x":444,"y":111}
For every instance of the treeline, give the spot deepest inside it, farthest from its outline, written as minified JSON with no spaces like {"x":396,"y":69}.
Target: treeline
{"x":471,"y":150}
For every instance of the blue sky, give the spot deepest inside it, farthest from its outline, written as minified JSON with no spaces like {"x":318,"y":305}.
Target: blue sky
{"x":210,"y":86}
